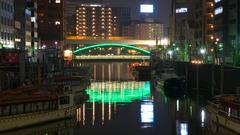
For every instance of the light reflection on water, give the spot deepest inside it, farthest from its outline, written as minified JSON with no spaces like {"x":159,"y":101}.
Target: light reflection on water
{"x":118,"y":92}
{"x":131,"y":108}
{"x":109,"y":95}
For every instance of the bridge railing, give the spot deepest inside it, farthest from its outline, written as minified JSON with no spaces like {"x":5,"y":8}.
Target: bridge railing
{"x":137,"y":57}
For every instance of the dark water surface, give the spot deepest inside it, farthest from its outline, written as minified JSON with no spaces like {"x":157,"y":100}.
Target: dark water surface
{"x":131,"y":108}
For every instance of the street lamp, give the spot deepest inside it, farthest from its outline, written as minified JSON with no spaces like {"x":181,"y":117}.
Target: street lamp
{"x":203,"y":51}
{"x":165,"y":41}
{"x":170,"y":53}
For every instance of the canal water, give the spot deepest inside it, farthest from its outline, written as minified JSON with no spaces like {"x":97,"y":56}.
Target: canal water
{"x":132,"y":108}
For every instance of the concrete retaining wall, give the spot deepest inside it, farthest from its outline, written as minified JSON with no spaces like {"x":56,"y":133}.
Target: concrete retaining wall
{"x":231,"y":79}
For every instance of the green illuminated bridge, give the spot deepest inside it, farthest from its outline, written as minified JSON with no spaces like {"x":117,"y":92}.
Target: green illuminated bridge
{"x":112,"y":57}
{"x":83,"y":47}
{"x":78,"y":53}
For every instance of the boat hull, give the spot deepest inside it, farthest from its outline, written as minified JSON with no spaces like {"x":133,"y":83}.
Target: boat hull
{"x":224,"y":121}
{"x":23,"y":120}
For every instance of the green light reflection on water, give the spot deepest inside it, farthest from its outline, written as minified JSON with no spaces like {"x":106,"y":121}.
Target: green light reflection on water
{"x":118,"y":92}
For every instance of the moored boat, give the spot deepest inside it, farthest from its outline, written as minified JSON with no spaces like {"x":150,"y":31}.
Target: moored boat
{"x":225,"y":111}
{"x":30,"y":106}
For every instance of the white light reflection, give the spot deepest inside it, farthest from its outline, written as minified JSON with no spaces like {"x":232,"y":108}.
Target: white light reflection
{"x":103,"y":113}
{"x":93,"y":113}
{"x":84,"y":114}
{"x":203,"y":116}
{"x":229,"y":112}
{"x":147,"y":113}
{"x":183,"y":129}
{"x":177,"y":105}
{"x":109,"y":111}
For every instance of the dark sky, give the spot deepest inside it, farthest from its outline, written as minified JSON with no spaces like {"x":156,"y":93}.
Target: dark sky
{"x":162,"y":7}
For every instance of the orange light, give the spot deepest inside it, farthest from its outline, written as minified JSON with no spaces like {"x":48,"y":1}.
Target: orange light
{"x":68,"y":55}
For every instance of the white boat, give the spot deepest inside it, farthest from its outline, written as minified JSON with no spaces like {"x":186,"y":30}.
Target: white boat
{"x":225,"y":111}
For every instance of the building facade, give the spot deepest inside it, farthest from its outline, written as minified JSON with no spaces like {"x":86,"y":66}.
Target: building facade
{"x":101,"y":21}
{"x":227,"y":29}
{"x":148,"y":30}
{"x":204,"y":22}
{"x":7,"y":24}
{"x":51,"y":23}
{"x":26,"y":35}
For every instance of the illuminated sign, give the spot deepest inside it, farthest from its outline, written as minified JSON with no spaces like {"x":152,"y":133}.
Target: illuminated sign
{"x":216,"y":1}
{"x":146,"y":8}
{"x":181,"y":10}
{"x":218,"y":10}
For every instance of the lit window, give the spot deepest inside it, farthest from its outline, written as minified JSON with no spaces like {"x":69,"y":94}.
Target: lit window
{"x":57,"y":1}
{"x":218,"y":10}
{"x":57,"y":22}
{"x":216,"y":1}
{"x":33,"y":19}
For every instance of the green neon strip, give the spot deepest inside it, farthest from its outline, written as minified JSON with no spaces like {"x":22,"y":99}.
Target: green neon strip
{"x":111,"y":93}
{"x":111,"y":45}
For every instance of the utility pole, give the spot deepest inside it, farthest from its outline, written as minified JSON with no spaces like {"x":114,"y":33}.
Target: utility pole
{"x":222,"y":70}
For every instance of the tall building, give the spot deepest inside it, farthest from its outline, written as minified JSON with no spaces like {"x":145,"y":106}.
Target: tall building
{"x":100,"y":20}
{"x":179,"y":21}
{"x":51,"y":22}
{"x":70,"y":16}
{"x":148,"y":30}
{"x":7,"y":24}
{"x":227,"y":29}
{"x":204,"y":22}
{"x":180,"y":29}
{"x":26,"y":35}
{"x":25,"y":16}
{"x":123,"y":15}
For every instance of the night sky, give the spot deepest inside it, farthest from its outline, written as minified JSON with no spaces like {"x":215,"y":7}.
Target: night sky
{"x":162,"y":8}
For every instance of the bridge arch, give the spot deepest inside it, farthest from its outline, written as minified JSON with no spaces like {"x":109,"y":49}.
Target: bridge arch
{"x":146,"y":52}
